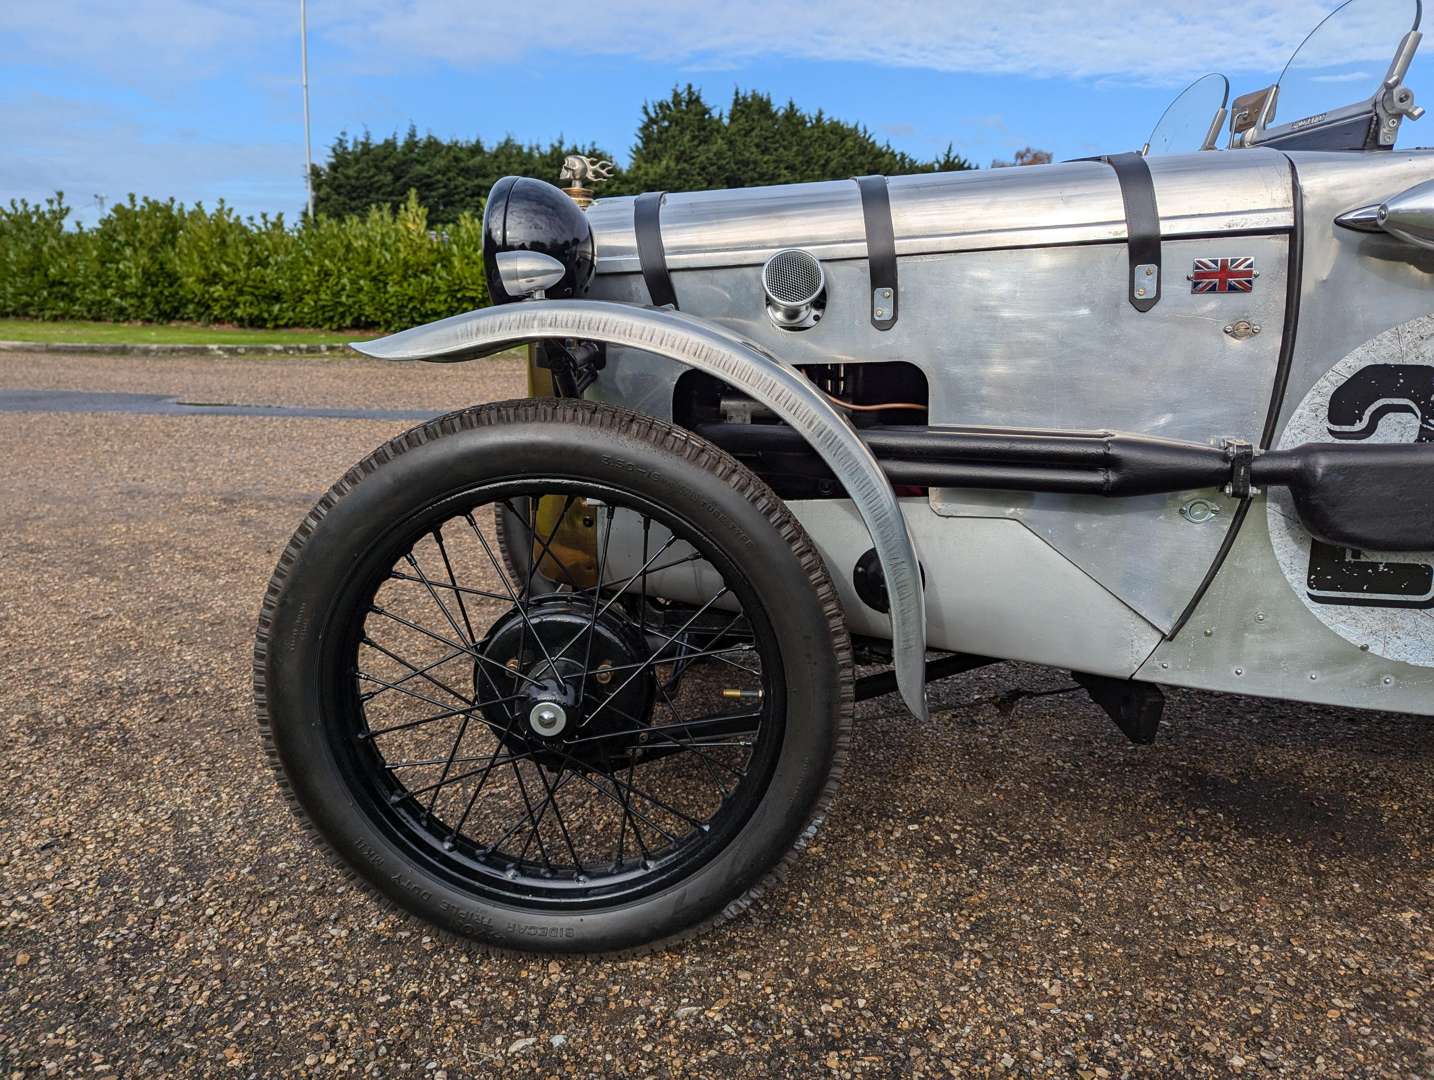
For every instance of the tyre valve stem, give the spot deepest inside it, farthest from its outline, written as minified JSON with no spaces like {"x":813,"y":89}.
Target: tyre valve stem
{"x":742,"y":695}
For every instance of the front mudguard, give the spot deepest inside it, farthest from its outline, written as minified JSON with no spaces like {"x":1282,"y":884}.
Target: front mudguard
{"x":720,"y":353}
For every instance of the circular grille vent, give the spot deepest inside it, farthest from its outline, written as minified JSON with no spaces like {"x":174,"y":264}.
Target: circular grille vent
{"x":793,"y":278}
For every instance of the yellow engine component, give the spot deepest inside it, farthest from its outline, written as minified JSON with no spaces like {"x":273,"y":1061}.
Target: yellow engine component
{"x":540,"y":380}
{"x":571,"y":556}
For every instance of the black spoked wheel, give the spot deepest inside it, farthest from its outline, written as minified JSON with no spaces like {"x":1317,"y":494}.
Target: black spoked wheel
{"x":566,"y":747}
{"x":556,"y":676}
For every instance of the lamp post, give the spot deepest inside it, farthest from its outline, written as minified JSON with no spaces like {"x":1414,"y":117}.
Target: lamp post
{"x":304,"y":79}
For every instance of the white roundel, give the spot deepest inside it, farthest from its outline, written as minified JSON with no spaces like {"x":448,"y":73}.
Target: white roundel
{"x":1382,"y":392}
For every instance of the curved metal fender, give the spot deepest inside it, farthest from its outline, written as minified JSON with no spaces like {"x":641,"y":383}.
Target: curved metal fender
{"x":723,"y":354}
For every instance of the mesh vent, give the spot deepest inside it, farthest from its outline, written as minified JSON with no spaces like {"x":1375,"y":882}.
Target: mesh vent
{"x":793,"y":278}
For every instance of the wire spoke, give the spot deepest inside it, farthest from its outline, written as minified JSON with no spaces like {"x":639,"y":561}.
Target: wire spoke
{"x":453,"y":581}
{"x":658,"y":729}
{"x":482,"y":780}
{"x":694,"y":557}
{"x":606,"y":546}
{"x":447,"y":615}
{"x":524,"y":755}
{"x":522,"y":612}
{"x":374,"y":733}
{"x":650,"y":662}
{"x":706,"y":762}
{"x":646,"y":562}
{"x":424,"y":673}
{"x":545,"y":546}
{"x":611,"y":600}
{"x":469,"y":710}
{"x":720,"y":656}
{"x":464,"y":590}
{"x":448,"y":765}
{"x":615,"y":798}
{"x":704,"y":655}
{"x":639,"y":728}
{"x":420,"y":762}
{"x":535,"y":819}
{"x":634,"y":790}
{"x":413,"y":672}
{"x":464,"y":649}
{"x":622,"y":828}
{"x":562,"y":826}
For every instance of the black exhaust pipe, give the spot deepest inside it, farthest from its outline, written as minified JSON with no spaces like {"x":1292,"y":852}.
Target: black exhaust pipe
{"x":1369,"y":496}
{"x":1073,"y":462}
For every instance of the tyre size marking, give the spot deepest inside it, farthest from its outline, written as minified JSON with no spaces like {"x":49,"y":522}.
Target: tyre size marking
{"x":303,"y":620}
{"x":529,"y":930}
{"x":364,"y":848}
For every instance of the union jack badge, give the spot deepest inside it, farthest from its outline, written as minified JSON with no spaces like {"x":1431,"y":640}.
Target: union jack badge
{"x":1223,"y":275}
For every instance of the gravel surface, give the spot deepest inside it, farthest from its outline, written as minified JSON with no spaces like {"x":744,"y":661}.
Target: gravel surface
{"x":1009,"y":889}
{"x":294,"y":380}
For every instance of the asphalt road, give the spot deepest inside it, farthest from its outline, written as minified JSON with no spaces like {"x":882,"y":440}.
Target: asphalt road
{"x":1009,"y":889}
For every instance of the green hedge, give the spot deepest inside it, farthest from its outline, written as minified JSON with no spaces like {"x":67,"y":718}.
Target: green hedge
{"x":160,"y":261}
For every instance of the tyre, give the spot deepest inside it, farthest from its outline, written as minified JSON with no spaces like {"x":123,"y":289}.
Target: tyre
{"x":608,"y":764}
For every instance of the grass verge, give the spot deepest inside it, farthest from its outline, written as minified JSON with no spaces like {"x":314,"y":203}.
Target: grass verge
{"x":103,"y":333}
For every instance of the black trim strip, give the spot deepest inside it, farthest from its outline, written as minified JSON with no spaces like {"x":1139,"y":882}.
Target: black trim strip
{"x":1294,"y":286}
{"x":647,"y":226}
{"x":1142,"y":226}
{"x":880,"y":249}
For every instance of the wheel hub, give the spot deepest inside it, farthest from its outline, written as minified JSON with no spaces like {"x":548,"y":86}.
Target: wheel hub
{"x":578,"y":688}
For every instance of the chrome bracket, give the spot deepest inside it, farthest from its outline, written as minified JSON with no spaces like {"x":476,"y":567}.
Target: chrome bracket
{"x":1147,"y":281}
{"x":882,"y":304}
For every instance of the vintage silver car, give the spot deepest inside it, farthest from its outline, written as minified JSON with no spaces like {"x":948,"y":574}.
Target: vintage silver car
{"x":576,"y":672}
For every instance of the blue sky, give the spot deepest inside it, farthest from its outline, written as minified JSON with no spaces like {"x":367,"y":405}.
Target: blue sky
{"x":199,"y":99}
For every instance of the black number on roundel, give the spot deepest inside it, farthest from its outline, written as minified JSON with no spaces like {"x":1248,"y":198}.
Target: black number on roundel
{"x":1343,"y":576}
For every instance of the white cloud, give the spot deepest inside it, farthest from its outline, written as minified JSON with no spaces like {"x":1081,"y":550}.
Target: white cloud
{"x":1160,"y":42}
{"x":139,"y":40}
